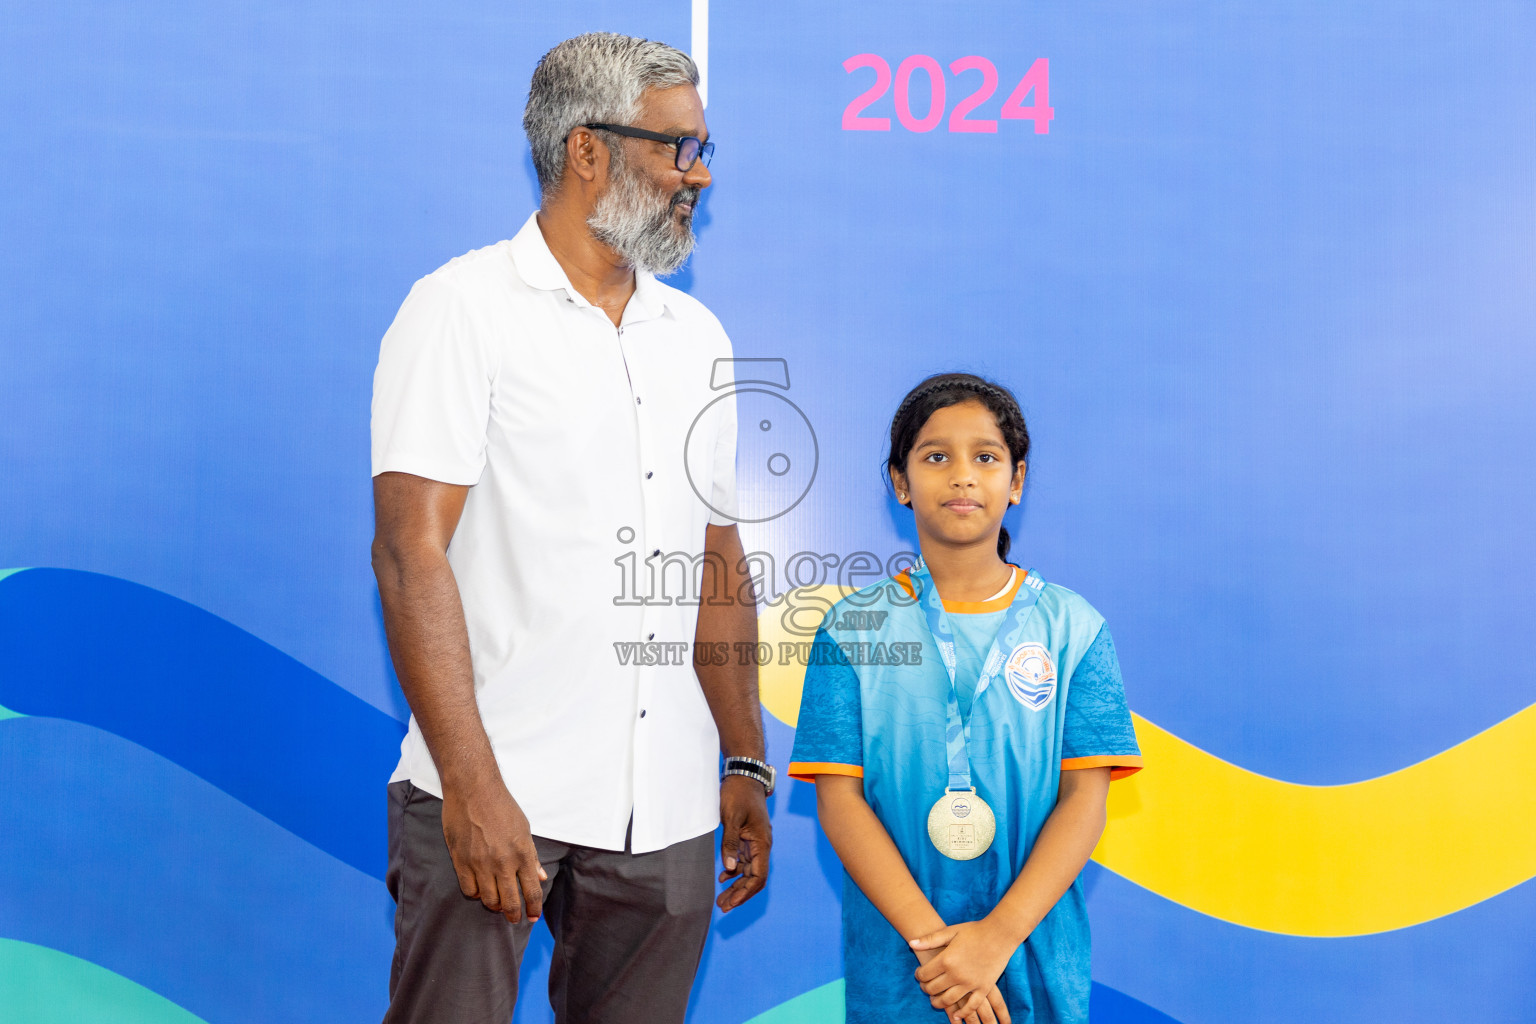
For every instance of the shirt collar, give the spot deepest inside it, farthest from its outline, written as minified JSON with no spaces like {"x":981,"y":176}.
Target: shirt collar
{"x":538,"y":268}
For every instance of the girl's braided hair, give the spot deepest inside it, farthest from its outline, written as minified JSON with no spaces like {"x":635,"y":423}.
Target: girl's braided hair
{"x":946,"y":389}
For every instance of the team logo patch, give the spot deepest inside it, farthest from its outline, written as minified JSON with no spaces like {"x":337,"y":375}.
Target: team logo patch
{"x":1031,"y":675}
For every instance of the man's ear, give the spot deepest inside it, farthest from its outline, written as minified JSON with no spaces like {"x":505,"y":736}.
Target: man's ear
{"x":584,"y":153}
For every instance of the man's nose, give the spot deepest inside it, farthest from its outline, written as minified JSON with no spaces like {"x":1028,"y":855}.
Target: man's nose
{"x":698,"y":175}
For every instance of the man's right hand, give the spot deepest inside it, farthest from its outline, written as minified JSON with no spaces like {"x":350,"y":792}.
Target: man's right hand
{"x":492,"y":849}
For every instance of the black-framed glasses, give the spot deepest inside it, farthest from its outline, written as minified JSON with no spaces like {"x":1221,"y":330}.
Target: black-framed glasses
{"x":689,"y":149}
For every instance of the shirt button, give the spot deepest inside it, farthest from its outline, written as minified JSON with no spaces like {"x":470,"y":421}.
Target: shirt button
{"x":656,"y":553}
{"x":650,"y":636}
{"x":637,"y":399}
{"x":649,"y":474}
{"x":642,"y":712}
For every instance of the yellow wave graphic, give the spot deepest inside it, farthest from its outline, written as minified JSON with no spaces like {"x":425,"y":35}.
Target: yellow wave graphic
{"x":1325,"y":861}
{"x":1389,"y":852}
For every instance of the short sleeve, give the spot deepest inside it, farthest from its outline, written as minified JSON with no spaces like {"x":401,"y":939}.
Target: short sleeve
{"x":829,"y":735}
{"x":1098,"y":730}
{"x":431,"y":390}
{"x":722,"y":499}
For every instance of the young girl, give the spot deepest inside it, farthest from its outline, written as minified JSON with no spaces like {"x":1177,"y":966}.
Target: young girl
{"x":964,"y":790}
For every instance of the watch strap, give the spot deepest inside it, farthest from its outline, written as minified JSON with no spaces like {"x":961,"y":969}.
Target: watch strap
{"x":752,"y":768}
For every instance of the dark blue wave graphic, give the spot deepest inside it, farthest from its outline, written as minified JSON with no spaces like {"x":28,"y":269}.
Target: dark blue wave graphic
{"x":205,"y":694}
{"x":1111,"y":1006}
{"x":113,"y":854}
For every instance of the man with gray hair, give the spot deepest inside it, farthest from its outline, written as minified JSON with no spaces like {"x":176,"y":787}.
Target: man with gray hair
{"x":543,"y":414}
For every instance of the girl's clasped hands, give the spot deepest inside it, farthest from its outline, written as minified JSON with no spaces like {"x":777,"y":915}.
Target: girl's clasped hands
{"x":959,"y":970}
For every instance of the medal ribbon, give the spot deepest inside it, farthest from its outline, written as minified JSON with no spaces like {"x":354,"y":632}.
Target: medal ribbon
{"x":957,"y":731}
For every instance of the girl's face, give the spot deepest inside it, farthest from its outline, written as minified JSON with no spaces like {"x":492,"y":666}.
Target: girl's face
{"x":959,"y":479}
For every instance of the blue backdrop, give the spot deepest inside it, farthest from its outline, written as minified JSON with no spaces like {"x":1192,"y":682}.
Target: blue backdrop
{"x":1265,"y":284}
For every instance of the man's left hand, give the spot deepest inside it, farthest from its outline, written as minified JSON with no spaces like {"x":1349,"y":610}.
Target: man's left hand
{"x":748,"y":837}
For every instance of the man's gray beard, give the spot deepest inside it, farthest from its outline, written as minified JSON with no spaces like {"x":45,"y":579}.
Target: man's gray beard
{"x":635,"y":219}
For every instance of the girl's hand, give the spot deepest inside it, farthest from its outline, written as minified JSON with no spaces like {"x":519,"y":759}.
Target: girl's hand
{"x":991,"y":1010}
{"x":961,"y":978}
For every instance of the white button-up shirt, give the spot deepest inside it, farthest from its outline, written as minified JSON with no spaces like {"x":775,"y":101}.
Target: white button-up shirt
{"x":588,"y":450}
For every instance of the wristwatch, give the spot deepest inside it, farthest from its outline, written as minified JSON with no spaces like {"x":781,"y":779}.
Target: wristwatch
{"x":752,"y":768}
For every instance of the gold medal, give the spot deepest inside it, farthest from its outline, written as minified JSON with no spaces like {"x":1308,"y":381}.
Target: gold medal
{"x":961,"y":825}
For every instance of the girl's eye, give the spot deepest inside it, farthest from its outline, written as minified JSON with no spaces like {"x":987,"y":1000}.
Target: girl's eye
{"x":934,"y":456}
{"x":988,"y":456}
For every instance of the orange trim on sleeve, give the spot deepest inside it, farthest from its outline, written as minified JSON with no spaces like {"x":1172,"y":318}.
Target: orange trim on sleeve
{"x":1119,"y":765}
{"x":806,"y":771}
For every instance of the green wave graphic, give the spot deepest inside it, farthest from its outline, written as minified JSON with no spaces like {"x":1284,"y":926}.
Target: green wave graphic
{"x":822,"y":1005}
{"x":9,"y":572}
{"x":39,"y":985}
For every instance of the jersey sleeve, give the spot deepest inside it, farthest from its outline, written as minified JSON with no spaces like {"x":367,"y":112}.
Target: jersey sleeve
{"x":1098,"y":730}
{"x":829,"y":735}
{"x":431,"y":390}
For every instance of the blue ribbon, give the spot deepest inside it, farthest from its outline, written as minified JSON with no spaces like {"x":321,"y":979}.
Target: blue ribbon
{"x":957,"y":730}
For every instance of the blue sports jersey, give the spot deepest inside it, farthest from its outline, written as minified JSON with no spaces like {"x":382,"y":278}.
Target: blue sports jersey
{"x":873,"y":707}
